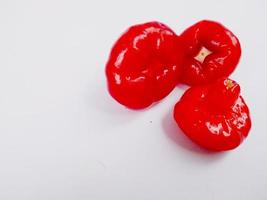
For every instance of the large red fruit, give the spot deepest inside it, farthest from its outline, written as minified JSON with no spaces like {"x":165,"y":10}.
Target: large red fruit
{"x":144,"y":65}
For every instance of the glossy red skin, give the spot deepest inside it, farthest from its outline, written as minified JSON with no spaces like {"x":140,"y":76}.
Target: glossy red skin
{"x":144,"y":65}
{"x":214,"y":116}
{"x":225,"y":52}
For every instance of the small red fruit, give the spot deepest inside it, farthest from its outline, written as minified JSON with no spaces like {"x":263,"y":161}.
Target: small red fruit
{"x":211,"y":52}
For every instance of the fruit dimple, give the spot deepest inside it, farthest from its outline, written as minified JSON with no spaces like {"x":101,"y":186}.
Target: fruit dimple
{"x":202,"y":54}
{"x":229,"y":84}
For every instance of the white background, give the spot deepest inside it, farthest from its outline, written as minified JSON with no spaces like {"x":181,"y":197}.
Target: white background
{"x":62,"y":137}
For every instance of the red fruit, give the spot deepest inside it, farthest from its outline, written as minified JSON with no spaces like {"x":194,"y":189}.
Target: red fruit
{"x":214,"y":116}
{"x":212,"y":52}
{"x":144,"y":65}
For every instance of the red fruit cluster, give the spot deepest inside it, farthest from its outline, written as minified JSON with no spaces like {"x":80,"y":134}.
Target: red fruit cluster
{"x":149,"y":60}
